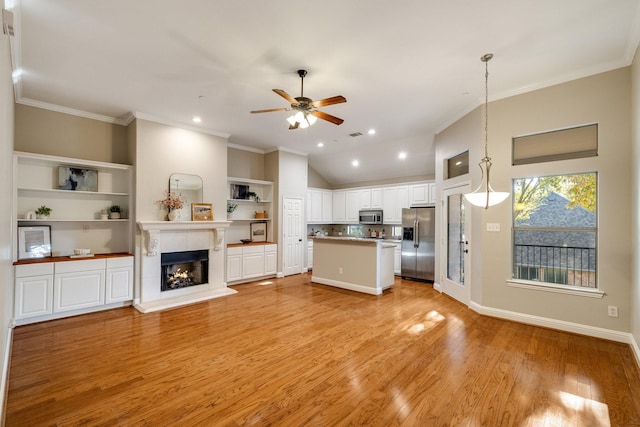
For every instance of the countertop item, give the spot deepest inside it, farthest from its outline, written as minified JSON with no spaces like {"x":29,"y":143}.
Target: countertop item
{"x":245,"y":241}
{"x":236,"y":245}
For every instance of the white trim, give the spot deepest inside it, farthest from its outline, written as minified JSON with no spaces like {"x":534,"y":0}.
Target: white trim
{"x":245,"y":148}
{"x":290,"y":150}
{"x":559,"y":289}
{"x":437,"y":287}
{"x":163,"y":304}
{"x":635,"y":348}
{"x":561,"y":325}
{"x":70,"y":111}
{"x":169,"y":122}
{"x":4,"y":385}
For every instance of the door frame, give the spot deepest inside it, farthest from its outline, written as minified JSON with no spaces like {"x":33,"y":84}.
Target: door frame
{"x":282,"y":238}
{"x":454,"y":290}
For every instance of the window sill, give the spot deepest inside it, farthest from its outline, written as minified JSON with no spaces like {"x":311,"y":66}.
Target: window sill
{"x":550,"y":287}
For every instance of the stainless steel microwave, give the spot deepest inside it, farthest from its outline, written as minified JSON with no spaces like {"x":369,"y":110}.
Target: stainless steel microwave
{"x":371,"y":216}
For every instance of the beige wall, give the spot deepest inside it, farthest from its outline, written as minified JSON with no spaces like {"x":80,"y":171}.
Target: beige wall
{"x":245,"y":164}
{"x":605,"y":99}
{"x":49,"y":132}
{"x":635,"y":117}
{"x":7,"y":232}
{"x":162,"y":150}
{"x":316,"y":180}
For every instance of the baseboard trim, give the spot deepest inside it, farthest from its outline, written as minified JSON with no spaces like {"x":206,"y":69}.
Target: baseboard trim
{"x":437,"y":287}
{"x":4,"y":385}
{"x":561,"y":325}
{"x":635,"y":349}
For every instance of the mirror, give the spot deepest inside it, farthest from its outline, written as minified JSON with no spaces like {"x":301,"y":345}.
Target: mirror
{"x":190,"y":186}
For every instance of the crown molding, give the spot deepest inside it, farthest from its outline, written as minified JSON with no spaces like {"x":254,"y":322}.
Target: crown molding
{"x":173,"y":123}
{"x":289,"y":150}
{"x":245,"y":148}
{"x":71,"y":111}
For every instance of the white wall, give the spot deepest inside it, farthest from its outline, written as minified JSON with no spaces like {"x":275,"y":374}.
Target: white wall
{"x":6,"y":197}
{"x":603,"y":98}
{"x":635,"y":123}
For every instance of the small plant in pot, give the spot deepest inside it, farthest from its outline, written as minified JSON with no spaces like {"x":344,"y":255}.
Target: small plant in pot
{"x":43,"y":212}
{"x":254,"y":196}
{"x":115,"y":212}
{"x":231,"y":207}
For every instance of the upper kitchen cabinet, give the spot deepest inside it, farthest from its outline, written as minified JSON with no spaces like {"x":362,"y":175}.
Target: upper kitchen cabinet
{"x":251,"y":198}
{"x":422,"y":194}
{"x":319,"y":206}
{"x":80,"y":193}
{"x":394,"y":200}
{"x":339,"y":206}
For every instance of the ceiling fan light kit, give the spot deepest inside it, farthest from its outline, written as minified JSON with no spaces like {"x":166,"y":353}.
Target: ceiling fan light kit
{"x":485,"y":196}
{"x":306,"y":109}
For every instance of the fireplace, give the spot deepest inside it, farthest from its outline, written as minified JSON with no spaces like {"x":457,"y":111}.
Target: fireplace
{"x":184,"y":269}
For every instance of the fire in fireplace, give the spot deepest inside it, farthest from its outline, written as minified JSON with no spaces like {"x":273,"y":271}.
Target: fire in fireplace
{"x":184,"y":269}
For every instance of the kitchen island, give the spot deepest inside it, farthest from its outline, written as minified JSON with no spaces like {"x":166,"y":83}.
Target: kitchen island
{"x":358,"y":264}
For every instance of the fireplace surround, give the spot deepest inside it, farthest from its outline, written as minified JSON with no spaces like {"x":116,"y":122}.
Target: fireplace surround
{"x":159,"y":238}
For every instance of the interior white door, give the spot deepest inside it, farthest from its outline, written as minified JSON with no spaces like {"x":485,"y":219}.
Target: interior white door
{"x":455,"y":245}
{"x":292,"y":235}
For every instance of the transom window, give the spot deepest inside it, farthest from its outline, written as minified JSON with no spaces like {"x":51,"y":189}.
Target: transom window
{"x":555,"y":229}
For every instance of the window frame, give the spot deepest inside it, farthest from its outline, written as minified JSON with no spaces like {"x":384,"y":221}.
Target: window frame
{"x":549,"y":286}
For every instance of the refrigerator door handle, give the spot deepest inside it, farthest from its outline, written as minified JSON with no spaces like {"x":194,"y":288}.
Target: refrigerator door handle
{"x":416,"y":233}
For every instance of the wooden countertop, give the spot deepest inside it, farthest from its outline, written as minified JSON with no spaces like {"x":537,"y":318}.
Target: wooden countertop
{"x":68,"y":258}
{"x":236,"y":245}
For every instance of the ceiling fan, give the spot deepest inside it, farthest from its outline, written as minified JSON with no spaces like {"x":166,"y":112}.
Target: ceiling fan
{"x":305,"y":108}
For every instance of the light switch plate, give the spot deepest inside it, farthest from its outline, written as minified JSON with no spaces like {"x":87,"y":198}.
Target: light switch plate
{"x":493,"y":226}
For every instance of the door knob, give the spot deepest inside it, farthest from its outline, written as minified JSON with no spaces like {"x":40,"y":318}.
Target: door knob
{"x":466,"y":251}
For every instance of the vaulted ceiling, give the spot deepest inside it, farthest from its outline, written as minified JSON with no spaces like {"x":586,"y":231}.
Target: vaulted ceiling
{"x":407,"y":69}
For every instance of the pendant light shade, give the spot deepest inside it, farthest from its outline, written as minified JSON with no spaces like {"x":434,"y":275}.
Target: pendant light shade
{"x":484,"y":196}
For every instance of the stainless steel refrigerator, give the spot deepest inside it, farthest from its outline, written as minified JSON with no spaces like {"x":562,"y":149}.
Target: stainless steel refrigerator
{"x":418,"y":243}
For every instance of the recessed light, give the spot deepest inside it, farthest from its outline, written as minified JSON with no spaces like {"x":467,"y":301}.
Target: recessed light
{"x":372,"y":132}
{"x":355,"y":163}
{"x":320,"y":144}
{"x":402,"y":155}
{"x":197,"y":119}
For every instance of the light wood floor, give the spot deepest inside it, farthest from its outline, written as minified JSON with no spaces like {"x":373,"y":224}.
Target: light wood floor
{"x":293,"y":353}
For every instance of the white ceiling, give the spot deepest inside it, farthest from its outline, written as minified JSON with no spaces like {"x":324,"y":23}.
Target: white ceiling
{"x":408,"y":69}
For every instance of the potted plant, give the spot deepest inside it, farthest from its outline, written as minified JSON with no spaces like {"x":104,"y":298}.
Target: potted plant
{"x":231,"y":207}
{"x":43,"y":212}
{"x":115,"y":212}
{"x":254,"y":196}
{"x":172,"y":202}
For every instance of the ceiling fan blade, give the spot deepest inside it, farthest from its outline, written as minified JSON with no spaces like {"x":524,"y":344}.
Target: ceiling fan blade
{"x":286,"y":96}
{"x":270,"y":110}
{"x":329,"y":101}
{"x":328,"y":117}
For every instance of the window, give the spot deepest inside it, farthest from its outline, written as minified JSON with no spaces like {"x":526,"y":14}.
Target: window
{"x":457,"y":165}
{"x":571,"y":143}
{"x":555,"y":229}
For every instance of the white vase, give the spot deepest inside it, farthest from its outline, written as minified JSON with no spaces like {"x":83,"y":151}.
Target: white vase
{"x":173,"y":215}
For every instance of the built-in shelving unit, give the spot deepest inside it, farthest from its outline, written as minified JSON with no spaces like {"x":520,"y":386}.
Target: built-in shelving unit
{"x":247,"y":207}
{"x":75,"y":219}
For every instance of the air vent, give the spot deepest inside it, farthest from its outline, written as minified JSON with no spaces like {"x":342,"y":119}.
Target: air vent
{"x":355,"y":134}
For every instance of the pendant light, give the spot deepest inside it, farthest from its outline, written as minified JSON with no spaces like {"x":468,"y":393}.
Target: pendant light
{"x":484,"y":196}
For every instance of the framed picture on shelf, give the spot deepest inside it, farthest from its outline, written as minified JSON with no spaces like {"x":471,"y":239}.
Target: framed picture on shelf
{"x":77,"y":179}
{"x":258,"y":231}
{"x":201,"y":212}
{"x":34,"y":242}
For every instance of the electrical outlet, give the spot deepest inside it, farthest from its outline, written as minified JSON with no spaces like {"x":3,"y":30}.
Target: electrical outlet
{"x":613,"y":311}
{"x":493,"y":226}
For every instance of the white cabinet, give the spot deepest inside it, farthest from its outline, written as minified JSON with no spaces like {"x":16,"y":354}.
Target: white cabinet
{"x":309,"y":254}
{"x":119,"y":281}
{"x":44,"y":290}
{"x":422,"y":194}
{"x":78,"y":284}
{"x":352,"y":203}
{"x":339,"y":206}
{"x":251,"y":262}
{"x":76,"y":214}
{"x":34,"y":290}
{"x":364,"y":199}
{"x":377,"y":198}
{"x":234,"y":264}
{"x":394,"y":200}
{"x":319,"y":206}
{"x":397,"y":258}
{"x":327,"y":206}
{"x":270,"y":259}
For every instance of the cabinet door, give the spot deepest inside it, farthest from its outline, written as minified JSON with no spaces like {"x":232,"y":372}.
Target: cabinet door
{"x":34,"y":296}
{"x":234,"y":267}
{"x":365,"y":199}
{"x":327,"y":206}
{"x":352,"y":206}
{"x":397,"y":260}
{"x":252,"y":265}
{"x":308,"y":206}
{"x":316,"y":206}
{"x":119,"y":284}
{"x":72,"y":291}
{"x":390,"y":205}
{"x":419,"y":194}
{"x":376,"y":198}
{"x":403,"y":200}
{"x":270,"y":262}
{"x":432,"y":193}
{"x":339,"y":206}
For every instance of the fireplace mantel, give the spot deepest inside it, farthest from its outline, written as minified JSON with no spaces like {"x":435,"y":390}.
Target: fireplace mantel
{"x":182,"y":225}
